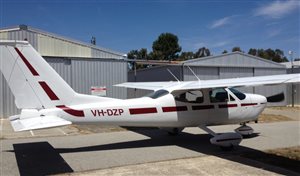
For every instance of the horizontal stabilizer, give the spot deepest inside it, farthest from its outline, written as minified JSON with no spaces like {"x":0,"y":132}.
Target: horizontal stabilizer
{"x":39,"y":122}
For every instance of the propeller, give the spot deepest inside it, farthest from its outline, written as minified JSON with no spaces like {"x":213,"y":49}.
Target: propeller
{"x":276,"y":98}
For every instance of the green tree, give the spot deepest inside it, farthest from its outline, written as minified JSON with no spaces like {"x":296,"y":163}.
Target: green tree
{"x":186,"y":55}
{"x":224,"y":52}
{"x":202,"y":52}
{"x":236,"y":48}
{"x":143,"y":53}
{"x":252,"y":51}
{"x":165,"y":47}
{"x":138,"y":54}
{"x":133,"y":54}
{"x":276,"y":55}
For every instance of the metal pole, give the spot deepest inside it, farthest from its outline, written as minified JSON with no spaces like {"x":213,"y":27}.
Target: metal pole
{"x":293,"y":94}
{"x":292,"y":65}
{"x":135,"y":76}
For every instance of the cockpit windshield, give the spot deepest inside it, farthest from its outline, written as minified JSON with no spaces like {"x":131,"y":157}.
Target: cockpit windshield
{"x":158,"y":94}
{"x":238,"y":94}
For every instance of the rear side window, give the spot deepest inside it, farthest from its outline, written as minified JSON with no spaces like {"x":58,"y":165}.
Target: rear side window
{"x":238,"y":94}
{"x":192,"y":96}
{"x":157,"y":94}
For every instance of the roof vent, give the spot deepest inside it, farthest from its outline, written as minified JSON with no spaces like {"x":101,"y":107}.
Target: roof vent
{"x":23,"y":27}
{"x":93,"y":40}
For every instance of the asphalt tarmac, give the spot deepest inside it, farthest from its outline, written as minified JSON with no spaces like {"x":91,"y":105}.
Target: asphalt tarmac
{"x":140,"y":151}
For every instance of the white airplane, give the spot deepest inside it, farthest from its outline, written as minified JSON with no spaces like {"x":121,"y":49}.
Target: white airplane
{"x":48,"y":101}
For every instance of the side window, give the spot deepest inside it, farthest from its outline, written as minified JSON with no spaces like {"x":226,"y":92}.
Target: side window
{"x":193,"y":96}
{"x":218,"y":95}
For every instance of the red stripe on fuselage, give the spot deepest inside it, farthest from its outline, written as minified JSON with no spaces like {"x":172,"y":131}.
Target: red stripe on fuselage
{"x":202,"y":107}
{"x":48,"y":91}
{"x":29,"y":66}
{"x":248,"y":104}
{"x":73,"y":112}
{"x":174,"y":108}
{"x":228,"y":105}
{"x":142,"y":110}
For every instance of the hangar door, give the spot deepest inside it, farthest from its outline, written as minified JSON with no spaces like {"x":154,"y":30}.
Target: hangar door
{"x":234,"y":72}
{"x":271,"y":90}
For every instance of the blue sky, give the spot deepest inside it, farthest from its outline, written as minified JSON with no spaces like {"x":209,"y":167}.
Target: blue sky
{"x":132,"y":24}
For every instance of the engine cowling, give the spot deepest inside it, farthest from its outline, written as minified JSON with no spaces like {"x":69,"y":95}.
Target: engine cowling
{"x":244,"y":130}
{"x":227,"y":139}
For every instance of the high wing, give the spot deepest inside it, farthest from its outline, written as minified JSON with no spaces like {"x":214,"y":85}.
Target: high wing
{"x":149,"y":85}
{"x":204,"y":84}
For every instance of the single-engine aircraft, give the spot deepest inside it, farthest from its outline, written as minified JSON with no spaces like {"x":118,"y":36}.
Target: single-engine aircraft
{"x":48,"y":101}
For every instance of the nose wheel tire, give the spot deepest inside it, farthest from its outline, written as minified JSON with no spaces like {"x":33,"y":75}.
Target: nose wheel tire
{"x":244,"y":130}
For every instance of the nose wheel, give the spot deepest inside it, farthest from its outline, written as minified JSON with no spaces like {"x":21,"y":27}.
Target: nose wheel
{"x":244,"y":130}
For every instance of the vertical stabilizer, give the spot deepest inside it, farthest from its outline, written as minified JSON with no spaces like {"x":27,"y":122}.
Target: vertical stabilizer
{"x":33,"y":82}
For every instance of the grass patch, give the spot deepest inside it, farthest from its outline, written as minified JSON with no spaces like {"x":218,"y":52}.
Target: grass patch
{"x":266,"y":118}
{"x":291,"y":153}
{"x":287,"y":158}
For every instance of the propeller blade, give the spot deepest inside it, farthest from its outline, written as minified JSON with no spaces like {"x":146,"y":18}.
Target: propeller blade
{"x":276,"y":98}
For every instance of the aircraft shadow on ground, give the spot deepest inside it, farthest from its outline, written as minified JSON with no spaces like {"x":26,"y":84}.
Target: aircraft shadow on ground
{"x":40,"y":158}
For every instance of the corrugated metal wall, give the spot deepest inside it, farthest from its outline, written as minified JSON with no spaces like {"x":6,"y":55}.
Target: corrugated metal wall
{"x":1,"y":93}
{"x":296,"y":88}
{"x":3,"y":35}
{"x":203,"y":73}
{"x":152,"y":74}
{"x":235,"y":59}
{"x":56,"y":46}
{"x":49,"y":46}
{"x":8,"y":103}
{"x":31,"y":37}
{"x":271,"y":90}
{"x":87,"y":73}
{"x":81,"y":74}
{"x":237,"y":72}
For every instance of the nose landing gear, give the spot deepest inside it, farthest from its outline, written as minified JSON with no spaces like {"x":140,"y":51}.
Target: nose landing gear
{"x":244,"y":130}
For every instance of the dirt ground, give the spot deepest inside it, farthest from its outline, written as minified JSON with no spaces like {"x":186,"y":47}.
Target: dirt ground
{"x":267,"y":118}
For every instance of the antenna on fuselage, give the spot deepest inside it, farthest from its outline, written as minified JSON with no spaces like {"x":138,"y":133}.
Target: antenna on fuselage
{"x":193,"y":73}
{"x":173,"y":75}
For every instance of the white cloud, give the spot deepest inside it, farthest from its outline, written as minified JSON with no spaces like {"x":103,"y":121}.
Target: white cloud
{"x":277,"y":9}
{"x":220,"y":22}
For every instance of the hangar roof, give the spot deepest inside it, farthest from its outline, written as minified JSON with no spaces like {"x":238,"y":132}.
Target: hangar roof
{"x":53,"y":45}
{"x":290,"y":64}
{"x":234,"y":59}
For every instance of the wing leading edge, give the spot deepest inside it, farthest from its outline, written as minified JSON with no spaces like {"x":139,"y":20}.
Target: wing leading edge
{"x":204,"y":84}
